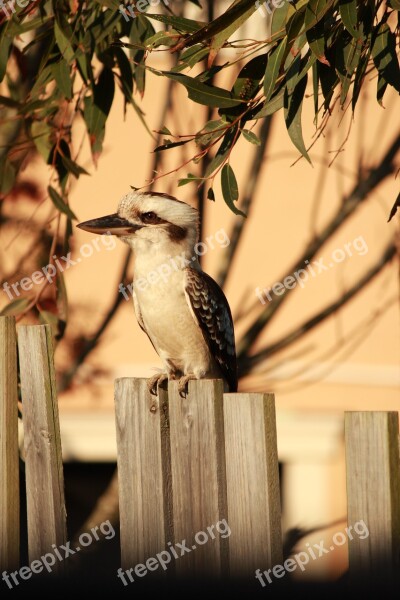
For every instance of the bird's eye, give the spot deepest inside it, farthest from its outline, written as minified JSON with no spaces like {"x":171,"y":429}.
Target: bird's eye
{"x":150,"y":217}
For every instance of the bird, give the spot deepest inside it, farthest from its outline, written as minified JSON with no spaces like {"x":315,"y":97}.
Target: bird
{"x":183,"y":311}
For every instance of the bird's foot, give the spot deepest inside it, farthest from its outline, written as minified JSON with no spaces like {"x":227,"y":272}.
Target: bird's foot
{"x":183,"y":381}
{"x":155,"y":381}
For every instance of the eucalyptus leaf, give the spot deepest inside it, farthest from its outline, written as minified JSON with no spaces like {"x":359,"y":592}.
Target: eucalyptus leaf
{"x":230,"y":190}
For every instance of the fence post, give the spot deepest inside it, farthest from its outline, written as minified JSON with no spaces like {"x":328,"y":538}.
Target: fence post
{"x":198,"y":476}
{"x":9,"y":455}
{"x":143,"y":471}
{"x":373,"y":491}
{"x":252,"y":483}
{"x":43,"y":460}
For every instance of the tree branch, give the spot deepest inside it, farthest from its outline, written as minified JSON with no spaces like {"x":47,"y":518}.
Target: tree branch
{"x":91,"y":343}
{"x":239,"y":224}
{"x":359,"y":193}
{"x":246,"y":366}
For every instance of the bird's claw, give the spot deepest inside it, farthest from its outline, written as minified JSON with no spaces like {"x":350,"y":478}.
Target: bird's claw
{"x":154,"y":382}
{"x":183,"y":381}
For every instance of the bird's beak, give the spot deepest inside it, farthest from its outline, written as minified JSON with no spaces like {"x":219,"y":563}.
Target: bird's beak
{"x":113,"y":224}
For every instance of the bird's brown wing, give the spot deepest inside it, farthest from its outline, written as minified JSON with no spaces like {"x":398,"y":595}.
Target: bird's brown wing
{"x":213,"y":315}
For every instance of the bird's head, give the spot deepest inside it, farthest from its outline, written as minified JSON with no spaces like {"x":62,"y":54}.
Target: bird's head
{"x":149,"y":218}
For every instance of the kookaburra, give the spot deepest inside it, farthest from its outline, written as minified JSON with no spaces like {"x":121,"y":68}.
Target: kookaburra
{"x":184,"y":313}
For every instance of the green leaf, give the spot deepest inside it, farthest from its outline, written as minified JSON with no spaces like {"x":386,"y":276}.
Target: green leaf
{"x":62,"y":75}
{"x":221,"y":23}
{"x":9,"y":102}
{"x":15,"y":307}
{"x":73,"y":167}
{"x":202,"y":93}
{"x":126,"y":73}
{"x":161,"y":38}
{"x":359,"y":77}
{"x":316,"y":39}
{"x":328,"y":80}
{"x":97,"y":108}
{"x":223,"y":151}
{"x":169,"y":145}
{"x":348,"y":14}
{"x":211,"y":131}
{"x":293,"y":103}
{"x":164,"y":131}
{"x":270,"y":107}
{"x":278,"y":29}
{"x":64,"y":44}
{"x":59,"y":203}
{"x":219,"y":39}
{"x":273,"y":67}
{"x":189,"y":179}
{"x":7,"y":175}
{"x":348,"y":53}
{"x":385,"y":57}
{"x":247,"y":85}
{"x":112,"y":4}
{"x":295,"y":26}
{"x":190,"y":57}
{"x":178,"y":23}
{"x":43,"y":78}
{"x":230,"y":190}
{"x":5,"y":50}
{"x":394,"y":209}
{"x":210,"y":194}
{"x":41,"y":133}
{"x":315,"y":10}
{"x":251,"y":137}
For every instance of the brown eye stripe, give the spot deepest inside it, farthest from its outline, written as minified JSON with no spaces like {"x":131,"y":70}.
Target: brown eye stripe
{"x":176,"y":233}
{"x":151,"y":218}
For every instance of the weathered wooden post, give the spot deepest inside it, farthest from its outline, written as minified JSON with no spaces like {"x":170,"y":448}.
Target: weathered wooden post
{"x":43,"y":460}
{"x":9,"y":455}
{"x":373,"y":492}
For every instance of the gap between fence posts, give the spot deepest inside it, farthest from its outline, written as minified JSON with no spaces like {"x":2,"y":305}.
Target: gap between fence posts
{"x":9,"y":452}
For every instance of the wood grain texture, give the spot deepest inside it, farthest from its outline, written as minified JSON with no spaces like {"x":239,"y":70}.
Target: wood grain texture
{"x":252,"y":483}
{"x":9,"y":456}
{"x":143,"y":471}
{"x":198,"y":476}
{"x":43,"y":459}
{"x":373,"y":491}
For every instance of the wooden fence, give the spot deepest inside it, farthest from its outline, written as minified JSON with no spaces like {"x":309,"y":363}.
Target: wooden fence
{"x":185,"y":465}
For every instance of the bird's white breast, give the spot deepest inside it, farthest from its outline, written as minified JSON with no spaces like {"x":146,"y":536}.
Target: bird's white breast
{"x":170,"y":324}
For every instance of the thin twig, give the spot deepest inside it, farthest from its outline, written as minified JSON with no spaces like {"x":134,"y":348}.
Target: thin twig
{"x":246,"y":365}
